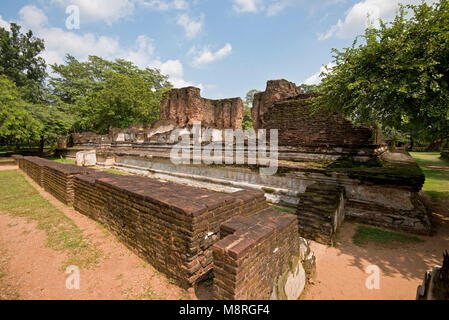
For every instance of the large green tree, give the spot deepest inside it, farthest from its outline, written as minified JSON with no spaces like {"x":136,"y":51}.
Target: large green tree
{"x":104,"y":94}
{"x":17,"y":125}
{"x":21,"y":62}
{"x":397,"y":75}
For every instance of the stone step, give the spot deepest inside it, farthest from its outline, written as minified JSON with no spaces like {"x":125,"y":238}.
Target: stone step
{"x":320,"y":211}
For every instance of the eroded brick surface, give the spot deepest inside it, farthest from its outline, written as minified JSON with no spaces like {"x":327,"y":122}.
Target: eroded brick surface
{"x":254,"y":252}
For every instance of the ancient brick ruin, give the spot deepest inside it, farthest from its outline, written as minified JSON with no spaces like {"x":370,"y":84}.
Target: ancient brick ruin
{"x":185,"y":106}
{"x":178,"y":228}
{"x":329,"y":170}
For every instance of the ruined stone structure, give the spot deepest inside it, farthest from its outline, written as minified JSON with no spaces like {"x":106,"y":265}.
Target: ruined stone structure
{"x":276,"y":90}
{"x":319,"y":153}
{"x":185,"y":106}
{"x":178,"y":228}
{"x":312,"y":134}
{"x":321,"y":211}
{"x":436,"y":282}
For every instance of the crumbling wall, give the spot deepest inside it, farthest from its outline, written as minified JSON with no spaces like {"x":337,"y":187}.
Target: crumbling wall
{"x":185,"y":106}
{"x":91,"y":139}
{"x":276,"y":90}
{"x":321,"y":211}
{"x":283,"y":107}
{"x":261,"y":257}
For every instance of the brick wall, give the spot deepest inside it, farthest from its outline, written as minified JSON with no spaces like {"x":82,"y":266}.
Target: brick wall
{"x":254,"y":254}
{"x":178,"y":228}
{"x":173,"y":226}
{"x":299,"y":126}
{"x":185,"y":105}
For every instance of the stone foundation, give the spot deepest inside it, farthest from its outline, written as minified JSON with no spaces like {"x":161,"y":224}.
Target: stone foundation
{"x":321,"y":211}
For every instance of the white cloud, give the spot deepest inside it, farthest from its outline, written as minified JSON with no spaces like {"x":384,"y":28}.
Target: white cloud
{"x":252,"y":6}
{"x":191,"y":27}
{"x":206,"y":56}
{"x":164,"y":5}
{"x":4,"y":24}
{"x":175,"y":71}
{"x":59,"y":42}
{"x":363,"y":14}
{"x":143,"y":52}
{"x":273,"y":7}
{"x":108,"y":11}
{"x":316,"y":78}
{"x":33,"y":17}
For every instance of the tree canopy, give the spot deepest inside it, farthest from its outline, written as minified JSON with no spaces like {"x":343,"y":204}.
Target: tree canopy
{"x":396,"y":75}
{"x":104,"y":94}
{"x":21,"y":62}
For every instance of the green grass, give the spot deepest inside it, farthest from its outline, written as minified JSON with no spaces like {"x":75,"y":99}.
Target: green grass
{"x":20,"y":199}
{"x":284,"y":209}
{"x":62,"y":160}
{"x":436,"y":171}
{"x":364,"y":235}
{"x":117,"y":172}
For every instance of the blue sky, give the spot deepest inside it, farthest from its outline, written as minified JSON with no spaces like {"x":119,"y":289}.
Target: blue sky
{"x":226,"y":47}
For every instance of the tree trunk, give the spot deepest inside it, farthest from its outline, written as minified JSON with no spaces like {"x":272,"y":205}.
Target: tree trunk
{"x":41,"y":146}
{"x":411,"y":143}
{"x":435,"y":146}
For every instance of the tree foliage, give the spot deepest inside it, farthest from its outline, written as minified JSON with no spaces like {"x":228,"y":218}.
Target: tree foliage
{"x":104,"y":94}
{"x":398,"y":75}
{"x":16,"y":122}
{"x":21,"y":62}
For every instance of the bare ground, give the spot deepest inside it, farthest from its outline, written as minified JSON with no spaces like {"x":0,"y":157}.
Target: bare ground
{"x":30,"y":270}
{"x":341,"y":269}
{"x":33,"y":271}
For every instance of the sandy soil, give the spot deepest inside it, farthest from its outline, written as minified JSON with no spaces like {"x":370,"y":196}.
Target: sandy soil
{"x":33,"y":271}
{"x":341,"y":270}
{"x":30,"y":270}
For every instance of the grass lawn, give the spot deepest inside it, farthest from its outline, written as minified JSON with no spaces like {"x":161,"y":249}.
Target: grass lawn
{"x":436,"y":171}
{"x":62,"y":160}
{"x":19,"y":198}
{"x":122,"y":173}
{"x":367,"y":234}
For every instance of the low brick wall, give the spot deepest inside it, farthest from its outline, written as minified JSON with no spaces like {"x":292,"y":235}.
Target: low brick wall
{"x":178,"y":228}
{"x":257,"y":251}
{"x":173,"y":226}
{"x":58,"y":180}
{"x":17,"y":158}
{"x":34,"y":168}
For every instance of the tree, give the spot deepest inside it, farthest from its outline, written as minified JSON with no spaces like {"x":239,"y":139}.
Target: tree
{"x":247,"y":105}
{"x":123,"y":101}
{"x":398,"y":76}
{"x":20,"y":61}
{"x":104,"y":93}
{"x":16,"y":123}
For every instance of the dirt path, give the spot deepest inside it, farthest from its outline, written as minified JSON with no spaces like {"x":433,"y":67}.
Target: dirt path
{"x":30,"y":270}
{"x":341,"y":270}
